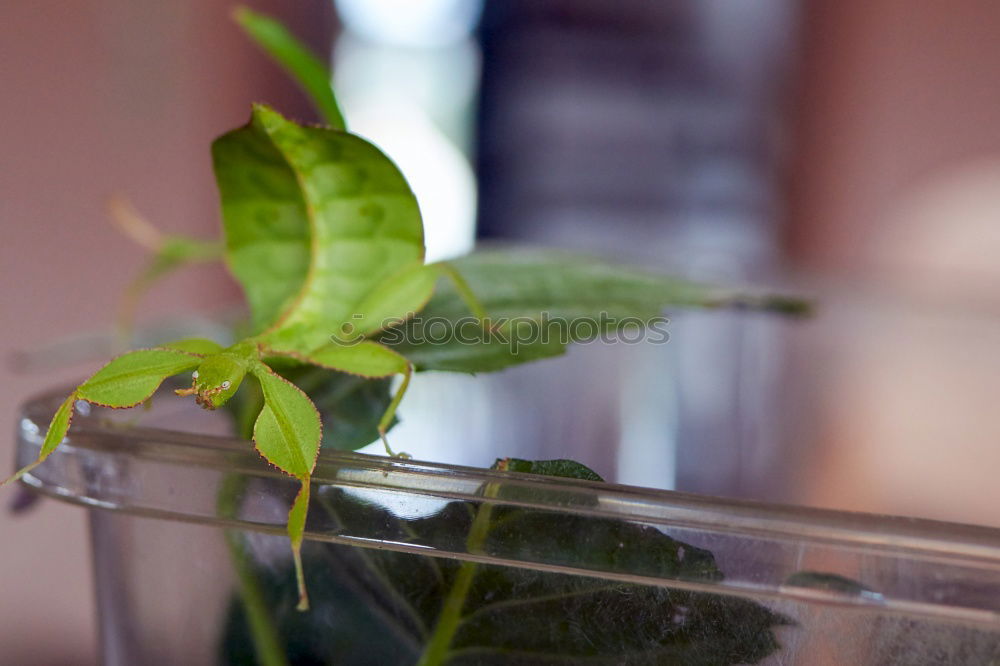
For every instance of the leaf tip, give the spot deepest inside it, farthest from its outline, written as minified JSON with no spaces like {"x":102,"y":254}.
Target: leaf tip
{"x":265,"y":117}
{"x":243,"y":15}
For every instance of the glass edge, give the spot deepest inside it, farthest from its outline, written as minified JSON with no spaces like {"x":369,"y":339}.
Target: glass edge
{"x":666,"y":508}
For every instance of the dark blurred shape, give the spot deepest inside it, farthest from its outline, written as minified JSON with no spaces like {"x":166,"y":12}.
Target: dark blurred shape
{"x":651,"y":132}
{"x":637,"y":128}
{"x":22,"y":499}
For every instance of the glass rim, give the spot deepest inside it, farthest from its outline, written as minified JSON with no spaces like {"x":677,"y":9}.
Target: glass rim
{"x":92,"y":468}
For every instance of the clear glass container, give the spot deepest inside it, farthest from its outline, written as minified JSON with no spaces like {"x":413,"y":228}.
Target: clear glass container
{"x":417,"y":563}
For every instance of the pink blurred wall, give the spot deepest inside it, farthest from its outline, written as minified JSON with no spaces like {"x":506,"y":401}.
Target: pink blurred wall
{"x":895,"y":95}
{"x":896,"y":190}
{"x":100,"y":97}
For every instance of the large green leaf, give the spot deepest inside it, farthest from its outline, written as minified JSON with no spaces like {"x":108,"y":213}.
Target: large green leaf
{"x":580,"y":297}
{"x":395,"y":603}
{"x":314,"y":219}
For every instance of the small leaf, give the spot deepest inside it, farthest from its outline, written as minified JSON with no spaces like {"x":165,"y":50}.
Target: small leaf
{"x":297,"y":60}
{"x":287,"y":434}
{"x":157,"y":268}
{"x":58,"y":426}
{"x":288,"y":431}
{"x":565,"y":468}
{"x":53,"y":437}
{"x":133,"y":377}
{"x":831,"y":582}
{"x":365,"y":358}
{"x":169,"y":252}
{"x":350,"y":406}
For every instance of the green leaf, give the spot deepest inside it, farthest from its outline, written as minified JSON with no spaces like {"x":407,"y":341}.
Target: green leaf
{"x":288,"y":431}
{"x":133,"y":377}
{"x":201,"y":346}
{"x":297,"y":60}
{"x":59,"y":426}
{"x":287,"y":434}
{"x":560,"y":294}
{"x":176,"y":252}
{"x":397,"y":298}
{"x":565,"y":468}
{"x":126,"y":381}
{"x":315,"y":219}
{"x":350,"y":406}
{"x":394,"y":602}
{"x":364,"y":358}
{"x":54,"y":436}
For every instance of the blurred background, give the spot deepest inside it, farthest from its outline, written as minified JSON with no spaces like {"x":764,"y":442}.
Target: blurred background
{"x":848,"y":149}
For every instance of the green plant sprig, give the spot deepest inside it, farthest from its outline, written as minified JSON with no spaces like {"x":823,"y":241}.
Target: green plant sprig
{"x":325,"y":236}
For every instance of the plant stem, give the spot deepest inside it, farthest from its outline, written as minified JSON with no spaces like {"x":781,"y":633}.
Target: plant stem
{"x":450,"y":618}
{"x":266,"y":639}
